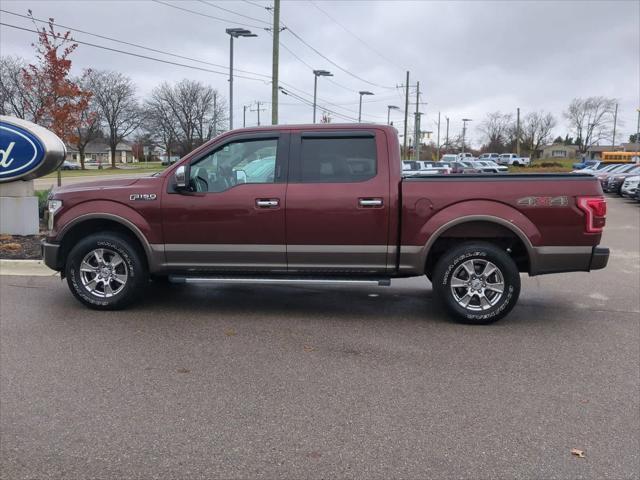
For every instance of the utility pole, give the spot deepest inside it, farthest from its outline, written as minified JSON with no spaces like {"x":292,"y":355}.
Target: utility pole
{"x":438,"y":140}
{"x":244,"y":115}
{"x":518,"y":133}
{"x":274,"y":65}
{"x":215,"y":114}
{"x":416,"y":125}
{"x":258,"y":109}
{"x":406,"y":115}
{"x":464,"y":132}
{"x":446,"y":138}
{"x":615,"y":121}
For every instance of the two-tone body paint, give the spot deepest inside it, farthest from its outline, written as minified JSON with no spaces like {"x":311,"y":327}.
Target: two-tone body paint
{"x":322,"y":227}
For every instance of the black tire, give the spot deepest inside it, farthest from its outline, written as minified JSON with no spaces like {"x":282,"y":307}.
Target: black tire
{"x":454,"y":266}
{"x":130,"y":264}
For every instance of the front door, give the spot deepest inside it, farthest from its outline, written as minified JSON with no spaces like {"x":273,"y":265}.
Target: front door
{"x":338,"y":202}
{"x":233,"y":217}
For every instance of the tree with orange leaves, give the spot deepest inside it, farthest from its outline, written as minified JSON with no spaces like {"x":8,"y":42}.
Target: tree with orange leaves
{"x":61,"y":101}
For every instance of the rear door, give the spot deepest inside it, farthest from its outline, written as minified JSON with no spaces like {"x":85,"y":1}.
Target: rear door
{"x":337,"y":214}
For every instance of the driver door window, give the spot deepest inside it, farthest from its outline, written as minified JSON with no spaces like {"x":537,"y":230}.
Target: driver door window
{"x":250,"y":161}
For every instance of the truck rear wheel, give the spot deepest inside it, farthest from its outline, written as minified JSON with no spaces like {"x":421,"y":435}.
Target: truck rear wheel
{"x":477,"y":282}
{"x":105,"y":271}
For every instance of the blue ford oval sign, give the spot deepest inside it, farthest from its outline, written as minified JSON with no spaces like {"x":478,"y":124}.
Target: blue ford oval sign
{"x":27,"y":150}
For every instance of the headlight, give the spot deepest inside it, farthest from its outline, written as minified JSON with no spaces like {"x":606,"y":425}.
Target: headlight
{"x":53,"y":206}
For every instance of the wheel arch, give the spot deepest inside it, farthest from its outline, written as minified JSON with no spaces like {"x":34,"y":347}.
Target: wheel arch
{"x":95,"y":222}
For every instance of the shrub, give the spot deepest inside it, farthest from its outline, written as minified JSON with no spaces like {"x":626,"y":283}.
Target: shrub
{"x":43,"y":198}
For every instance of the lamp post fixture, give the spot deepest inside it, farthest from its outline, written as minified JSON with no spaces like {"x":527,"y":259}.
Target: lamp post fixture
{"x":316,"y":74}
{"x":389,"y":108}
{"x":362,"y":92}
{"x":234,"y":33}
{"x":464,"y":131}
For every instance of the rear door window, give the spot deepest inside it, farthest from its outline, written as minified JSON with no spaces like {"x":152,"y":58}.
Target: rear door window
{"x":337,"y":160}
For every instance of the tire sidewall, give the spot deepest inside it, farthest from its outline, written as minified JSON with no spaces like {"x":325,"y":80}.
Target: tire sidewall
{"x":135,"y":270}
{"x":450,"y":262}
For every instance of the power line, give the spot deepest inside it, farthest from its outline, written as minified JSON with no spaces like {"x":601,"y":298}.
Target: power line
{"x":302,"y":40}
{"x":133,"y":44}
{"x":354,"y":35}
{"x":195,"y":12}
{"x":231,"y":11}
{"x":255,"y":4}
{"x":134,"y":54}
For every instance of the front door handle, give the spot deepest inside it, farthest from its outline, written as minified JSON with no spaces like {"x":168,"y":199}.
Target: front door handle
{"x":370,"y":202}
{"x":267,"y":202}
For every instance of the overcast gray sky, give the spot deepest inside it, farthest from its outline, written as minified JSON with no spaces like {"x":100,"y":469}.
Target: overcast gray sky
{"x":471,"y":57}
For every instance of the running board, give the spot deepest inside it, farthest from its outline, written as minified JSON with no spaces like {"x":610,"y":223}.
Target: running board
{"x":220,"y":279}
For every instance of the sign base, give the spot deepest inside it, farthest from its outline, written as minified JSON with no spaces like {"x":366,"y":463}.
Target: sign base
{"x":18,"y":209}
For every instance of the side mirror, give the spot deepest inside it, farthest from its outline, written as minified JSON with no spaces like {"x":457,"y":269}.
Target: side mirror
{"x":241,"y":176}
{"x":181,"y":177}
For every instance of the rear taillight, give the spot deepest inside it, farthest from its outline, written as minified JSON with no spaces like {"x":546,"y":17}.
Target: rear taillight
{"x":595,"y":209}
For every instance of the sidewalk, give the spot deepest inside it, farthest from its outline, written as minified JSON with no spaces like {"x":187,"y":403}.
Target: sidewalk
{"x":33,"y":268}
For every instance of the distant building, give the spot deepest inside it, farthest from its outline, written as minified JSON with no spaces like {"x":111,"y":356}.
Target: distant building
{"x":99,"y":152}
{"x":559,"y":150}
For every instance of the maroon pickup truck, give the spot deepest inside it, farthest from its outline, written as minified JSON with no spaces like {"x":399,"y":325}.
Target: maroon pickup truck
{"x":323,"y":204}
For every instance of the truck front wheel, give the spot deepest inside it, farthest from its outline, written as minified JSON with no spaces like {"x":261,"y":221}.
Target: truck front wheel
{"x":477,"y":282}
{"x":105,"y":271}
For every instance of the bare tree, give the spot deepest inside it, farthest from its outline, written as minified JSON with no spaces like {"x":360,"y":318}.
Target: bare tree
{"x":496,"y":129}
{"x":90,"y":121}
{"x":536,"y":130}
{"x":115,"y":97}
{"x":15,"y":98}
{"x":188,"y":112}
{"x":591,"y":120}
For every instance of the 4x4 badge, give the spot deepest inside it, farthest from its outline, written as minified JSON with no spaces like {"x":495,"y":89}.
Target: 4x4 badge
{"x":543,"y":201}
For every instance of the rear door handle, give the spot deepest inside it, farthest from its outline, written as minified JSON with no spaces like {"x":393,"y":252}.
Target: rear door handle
{"x":267,"y":202}
{"x":370,"y":202}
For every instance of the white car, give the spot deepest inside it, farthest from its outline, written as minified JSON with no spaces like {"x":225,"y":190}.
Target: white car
{"x":437,"y":167}
{"x":489,"y":157}
{"x":514,"y":160}
{"x":630,"y":186}
{"x":489,"y":166}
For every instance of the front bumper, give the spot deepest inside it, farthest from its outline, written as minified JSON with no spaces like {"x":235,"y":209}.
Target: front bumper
{"x":50,"y":255}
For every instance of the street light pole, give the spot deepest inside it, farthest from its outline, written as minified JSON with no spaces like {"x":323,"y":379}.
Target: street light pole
{"x":316,"y":74}
{"x":389,"y":108}
{"x":234,"y":33}
{"x":362,"y":92}
{"x":464,"y":131}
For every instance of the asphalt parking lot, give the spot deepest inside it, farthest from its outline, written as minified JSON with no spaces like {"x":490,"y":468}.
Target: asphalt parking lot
{"x":299,"y":382}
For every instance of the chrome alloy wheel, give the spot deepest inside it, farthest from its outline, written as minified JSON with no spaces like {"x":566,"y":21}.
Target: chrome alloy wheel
{"x":477,"y":285}
{"x":103,"y":272}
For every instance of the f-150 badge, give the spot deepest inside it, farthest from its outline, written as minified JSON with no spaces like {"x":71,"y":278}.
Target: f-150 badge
{"x":142,"y":196}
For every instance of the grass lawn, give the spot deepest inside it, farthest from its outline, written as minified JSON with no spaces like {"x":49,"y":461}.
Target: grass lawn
{"x":546,"y":165}
{"x":151,"y":168}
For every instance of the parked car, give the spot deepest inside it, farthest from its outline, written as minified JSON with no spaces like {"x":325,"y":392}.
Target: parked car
{"x":592,"y":164}
{"x":334,"y":209}
{"x":630,"y":186}
{"x":463,"y":167}
{"x":489,"y":156}
{"x":489,"y":166}
{"x":466,"y":156}
{"x":436,"y":167}
{"x":600,"y":168}
{"x":69,"y":165}
{"x":514,"y":160}
{"x":614,"y":182}
{"x":603,"y":177}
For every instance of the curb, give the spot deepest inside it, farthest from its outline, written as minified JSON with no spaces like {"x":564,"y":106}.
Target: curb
{"x":32,"y":268}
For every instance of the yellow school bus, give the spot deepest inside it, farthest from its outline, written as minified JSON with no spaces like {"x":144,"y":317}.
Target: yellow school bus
{"x":621,"y":157}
